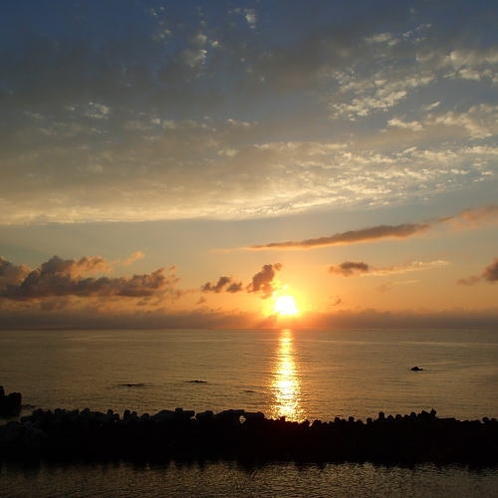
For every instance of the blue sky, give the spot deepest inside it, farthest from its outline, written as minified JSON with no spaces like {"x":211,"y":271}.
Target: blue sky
{"x":187,"y":133}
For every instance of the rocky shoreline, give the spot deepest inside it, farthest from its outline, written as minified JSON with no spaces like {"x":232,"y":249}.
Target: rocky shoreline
{"x":69,"y":435}
{"x":10,"y":404}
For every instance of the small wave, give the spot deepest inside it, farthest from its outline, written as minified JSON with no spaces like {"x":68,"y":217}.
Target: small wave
{"x":132,"y":384}
{"x":197,"y":381}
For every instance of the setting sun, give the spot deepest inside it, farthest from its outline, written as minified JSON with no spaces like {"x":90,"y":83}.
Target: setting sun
{"x":285,"y":306}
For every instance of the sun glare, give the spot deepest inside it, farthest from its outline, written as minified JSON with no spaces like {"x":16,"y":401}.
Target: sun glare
{"x":285,"y":306}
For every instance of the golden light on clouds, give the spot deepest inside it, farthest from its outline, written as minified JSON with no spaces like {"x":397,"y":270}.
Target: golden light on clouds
{"x":166,"y":178}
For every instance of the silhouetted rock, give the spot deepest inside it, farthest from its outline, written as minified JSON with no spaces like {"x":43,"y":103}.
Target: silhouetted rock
{"x":416,"y":369}
{"x":10,"y":405}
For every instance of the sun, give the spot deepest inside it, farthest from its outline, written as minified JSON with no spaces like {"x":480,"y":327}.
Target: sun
{"x":285,"y":305}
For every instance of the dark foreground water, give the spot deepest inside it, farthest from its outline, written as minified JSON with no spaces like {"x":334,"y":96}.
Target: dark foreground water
{"x":230,"y":479}
{"x":298,"y":374}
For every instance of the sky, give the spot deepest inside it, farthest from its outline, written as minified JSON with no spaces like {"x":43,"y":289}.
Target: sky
{"x":186,"y":164}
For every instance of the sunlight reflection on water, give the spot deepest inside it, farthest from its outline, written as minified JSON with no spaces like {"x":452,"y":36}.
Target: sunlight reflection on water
{"x":286,"y":382}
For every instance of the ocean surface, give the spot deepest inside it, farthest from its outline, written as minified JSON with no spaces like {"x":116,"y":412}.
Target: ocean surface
{"x":293,"y":373}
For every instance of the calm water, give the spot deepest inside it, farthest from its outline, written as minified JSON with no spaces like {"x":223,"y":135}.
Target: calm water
{"x":299,"y":374}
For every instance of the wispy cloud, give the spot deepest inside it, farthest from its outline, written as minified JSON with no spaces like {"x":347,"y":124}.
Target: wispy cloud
{"x":412,"y":266}
{"x":473,"y":217}
{"x":477,"y":122}
{"x":467,"y":217}
{"x":351,"y":237}
{"x":350,"y":268}
{"x":132,"y":258}
{"x":169,"y":118}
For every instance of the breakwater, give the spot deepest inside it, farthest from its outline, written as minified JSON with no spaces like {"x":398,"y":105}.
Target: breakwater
{"x":68,"y":435}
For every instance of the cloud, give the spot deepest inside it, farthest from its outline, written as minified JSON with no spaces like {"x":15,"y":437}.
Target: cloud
{"x":410,"y":267}
{"x":362,"y":89}
{"x":196,"y":54}
{"x":334,"y":301}
{"x":352,"y":236}
{"x":475,"y":123}
{"x":63,"y":278}
{"x":473,"y":217}
{"x":251,"y":18}
{"x":262,"y":282}
{"x":468,"y":217}
{"x":350,"y":268}
{"x":473,"y":279}
{"x":489,"y":274}
{"x":406,"y":125}
{"x":74,"y":268}
{"x":234,"y":287}
{"x":377,"y":93}
{"x":226,"y":284}
{"x":11,"y":274}
{"x":148,"y":111}
{"x":135,"y":256}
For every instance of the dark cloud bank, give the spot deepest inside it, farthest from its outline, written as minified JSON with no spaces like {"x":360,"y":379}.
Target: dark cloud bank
{"x":59,"y":277}
{"x":45,"y":297}
{"x":215,"y":319}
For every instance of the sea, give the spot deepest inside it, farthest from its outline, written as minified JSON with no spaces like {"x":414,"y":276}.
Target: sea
{"x":296,"y":374}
